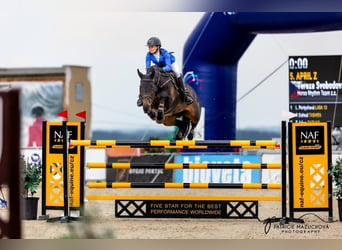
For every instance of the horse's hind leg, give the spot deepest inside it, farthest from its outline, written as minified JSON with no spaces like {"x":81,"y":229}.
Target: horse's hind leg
{"x":192,"y":131}
{"x":183,"y":127}
{"x":179,"y":134}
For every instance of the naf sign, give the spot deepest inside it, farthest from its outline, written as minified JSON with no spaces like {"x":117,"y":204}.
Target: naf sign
{"x":217,"y":175}
{"x":310,"y":140}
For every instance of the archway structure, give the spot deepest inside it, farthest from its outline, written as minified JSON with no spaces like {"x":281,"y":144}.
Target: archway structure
{"x":214,"y":47}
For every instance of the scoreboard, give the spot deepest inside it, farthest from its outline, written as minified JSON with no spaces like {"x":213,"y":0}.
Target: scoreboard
{"x":315,"y":89}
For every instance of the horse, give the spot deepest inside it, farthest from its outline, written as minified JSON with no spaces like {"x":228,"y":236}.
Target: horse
{"x":163,"y":104}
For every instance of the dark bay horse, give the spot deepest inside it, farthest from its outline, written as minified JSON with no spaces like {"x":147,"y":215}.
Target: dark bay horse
{"x":162,"y":103}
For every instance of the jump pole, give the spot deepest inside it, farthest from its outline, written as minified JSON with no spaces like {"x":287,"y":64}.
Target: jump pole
{"x":176,"y":144}
{"x":183,"y":185}
{"x":128,"y":165}
{"x":283,"y":173}
{"x":184,"y":198}
{"x":284,"y":219}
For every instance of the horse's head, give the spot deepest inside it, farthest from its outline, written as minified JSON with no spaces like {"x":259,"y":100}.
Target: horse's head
{"x":147,"y":89}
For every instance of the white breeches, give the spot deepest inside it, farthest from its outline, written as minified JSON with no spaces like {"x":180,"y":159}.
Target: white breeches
{"x":175,"y":69}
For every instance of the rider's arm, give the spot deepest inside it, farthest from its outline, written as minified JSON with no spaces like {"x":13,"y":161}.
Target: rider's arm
{"x":148,"y":60}
{"x":167,"y":58}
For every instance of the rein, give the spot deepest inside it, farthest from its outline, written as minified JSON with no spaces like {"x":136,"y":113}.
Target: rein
{"x":161,"y":85}
{"x":176,"y":99}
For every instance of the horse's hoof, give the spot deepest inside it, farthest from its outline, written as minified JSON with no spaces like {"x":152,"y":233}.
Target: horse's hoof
{"x":179,"y":136}
{"x":152,"y":115}
{"x":160,"y":116}
{"x":160,"y":121}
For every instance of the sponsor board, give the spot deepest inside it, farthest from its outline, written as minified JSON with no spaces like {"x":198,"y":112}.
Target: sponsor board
{"x":217,"y":175}
{"x":309,"y":161}
{"x":53,"y":165}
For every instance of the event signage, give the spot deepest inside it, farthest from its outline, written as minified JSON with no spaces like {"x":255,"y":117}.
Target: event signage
{"x":315,"y":89}
{"x":309,"y":160}
{"x":53,"y":139}
{"x":217,"y":175}
{"x":223,"y":209}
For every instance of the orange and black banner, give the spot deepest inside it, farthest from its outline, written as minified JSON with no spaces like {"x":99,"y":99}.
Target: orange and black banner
{"x":53,"y":174}
{"x":310,"y":186}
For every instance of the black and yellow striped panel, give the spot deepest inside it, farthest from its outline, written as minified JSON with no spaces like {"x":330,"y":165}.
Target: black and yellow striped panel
{"x":178,"y":144}
{"x":185,"y":198}
{"x":183,"y":185}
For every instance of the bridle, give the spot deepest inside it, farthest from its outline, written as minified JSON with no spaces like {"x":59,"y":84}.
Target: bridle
{"x":147,"y":96}
{"x":156,"y":83}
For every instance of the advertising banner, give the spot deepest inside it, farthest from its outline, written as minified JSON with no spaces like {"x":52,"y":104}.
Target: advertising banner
{"x":217,"y":175}
{"x":309,"y":160}
{"x":53,"y":194}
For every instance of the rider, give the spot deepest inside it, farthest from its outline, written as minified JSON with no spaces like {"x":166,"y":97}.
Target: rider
{"x":164,"y":59}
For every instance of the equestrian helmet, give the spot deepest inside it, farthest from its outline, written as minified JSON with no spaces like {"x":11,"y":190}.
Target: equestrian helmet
{"x":153,"y":41}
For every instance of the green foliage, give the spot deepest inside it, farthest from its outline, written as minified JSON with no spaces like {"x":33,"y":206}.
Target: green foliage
{"x":336,"y":173}
{"x":32,"y":177}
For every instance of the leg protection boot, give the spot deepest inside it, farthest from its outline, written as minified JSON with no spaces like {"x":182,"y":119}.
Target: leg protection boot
{"x":139,"y":102}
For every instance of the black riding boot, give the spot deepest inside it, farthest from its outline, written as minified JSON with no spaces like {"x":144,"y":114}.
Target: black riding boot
{"x":184,"y":95}
{"x":139,"y":102}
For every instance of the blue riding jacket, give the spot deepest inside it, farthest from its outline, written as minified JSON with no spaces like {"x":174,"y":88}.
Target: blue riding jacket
{"x":165,"y":60}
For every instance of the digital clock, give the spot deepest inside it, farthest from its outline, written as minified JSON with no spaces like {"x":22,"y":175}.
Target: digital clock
{"x":298,"y":63}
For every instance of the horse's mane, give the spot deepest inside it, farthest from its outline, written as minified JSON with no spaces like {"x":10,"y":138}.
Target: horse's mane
{"x":154,"y":69}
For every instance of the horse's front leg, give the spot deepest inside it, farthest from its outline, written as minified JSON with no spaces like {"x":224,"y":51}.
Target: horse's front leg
{"x":161,"y":107}
{"x":152,"y":113}
{"x":160,"y":112}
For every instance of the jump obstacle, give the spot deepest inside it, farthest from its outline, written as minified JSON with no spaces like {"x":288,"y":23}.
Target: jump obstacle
{"x":178,"y":144}
{"x":232,"y":203}
{"x":234,"y":207}
{"x":124,"y":165}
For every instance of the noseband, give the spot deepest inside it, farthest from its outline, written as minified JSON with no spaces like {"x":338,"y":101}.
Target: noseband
{"x":151,"y":82}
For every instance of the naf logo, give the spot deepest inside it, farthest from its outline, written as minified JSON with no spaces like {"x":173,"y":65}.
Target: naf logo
{"x":56,"y":139}
{"x":309,"y":135}
{"x":309,"y":140}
